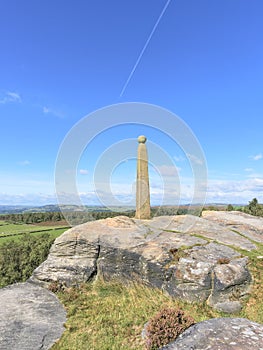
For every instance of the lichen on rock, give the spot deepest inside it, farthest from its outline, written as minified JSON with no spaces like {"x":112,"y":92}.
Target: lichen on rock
{"x":182,"y":255}
{"x":219,"y":334}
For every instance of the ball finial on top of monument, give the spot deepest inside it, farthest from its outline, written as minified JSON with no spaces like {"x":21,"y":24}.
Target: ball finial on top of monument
{"x":142,"y":139}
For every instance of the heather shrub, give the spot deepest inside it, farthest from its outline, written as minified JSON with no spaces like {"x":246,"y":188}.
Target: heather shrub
{"x":165,"y":326}
{"x":56,"y":287}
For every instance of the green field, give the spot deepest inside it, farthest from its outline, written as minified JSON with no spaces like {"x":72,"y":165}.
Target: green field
{"x":15,"y":232}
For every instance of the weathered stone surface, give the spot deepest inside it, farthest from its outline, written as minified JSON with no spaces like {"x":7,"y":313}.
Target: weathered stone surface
{"x":31,"y":317}
{"x":163,"y":252}
{"x":230,"y":307}
{"x":248,"y":225}
{"x":208,"y":229}
{"x":143,"y":208}
{"x":220,"y":334}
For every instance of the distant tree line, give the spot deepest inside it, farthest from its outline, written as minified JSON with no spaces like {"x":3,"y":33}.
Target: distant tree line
{"x":78,"y":217}
{"x":32,"y":218}
{"x":82,"y":216}
{"x":253,"y":208}
{"x":74,"y":216}
{"x":160,"y":211}
{"x":170,"y":210}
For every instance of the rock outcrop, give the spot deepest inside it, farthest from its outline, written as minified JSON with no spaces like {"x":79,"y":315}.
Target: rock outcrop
{"x":31,"y":317}
{"x":189,"y":257}
{"x":245,"y":224}
{"x":220,"y":334}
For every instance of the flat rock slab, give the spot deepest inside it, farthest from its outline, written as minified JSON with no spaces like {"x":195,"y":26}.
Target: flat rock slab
{"x":220,"y":334}
{"x":185,"y":255}
{"x":206,"y":227}
{"x":248,"y":225}
{"x":31,"y":318}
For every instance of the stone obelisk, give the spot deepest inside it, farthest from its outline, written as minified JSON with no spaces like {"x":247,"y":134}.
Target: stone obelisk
{"x":143,"y":209}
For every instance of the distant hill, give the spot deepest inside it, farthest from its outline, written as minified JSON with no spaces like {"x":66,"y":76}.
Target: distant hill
{"x":13,"y":209}
{"x":20,"y":209}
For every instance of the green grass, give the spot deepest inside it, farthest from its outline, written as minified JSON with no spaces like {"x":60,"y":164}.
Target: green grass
{"x":103,"y":316}
{"x":111,"y":316}
{"x":53,"y":232}
{"x":14,"y":229}
{"x":15,"y":232}
{"x":254,"y":306}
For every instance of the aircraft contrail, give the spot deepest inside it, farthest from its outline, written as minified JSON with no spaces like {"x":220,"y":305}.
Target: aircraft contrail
{"x":144,"y":48}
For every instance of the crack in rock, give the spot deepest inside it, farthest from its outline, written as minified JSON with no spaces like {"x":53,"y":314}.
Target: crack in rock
{"x":43,"y":342}
{"x":122,"y":248}
{"x":94,"y":273}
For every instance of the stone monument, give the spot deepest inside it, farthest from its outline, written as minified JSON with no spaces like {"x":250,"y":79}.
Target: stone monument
{"x":143,"y":209}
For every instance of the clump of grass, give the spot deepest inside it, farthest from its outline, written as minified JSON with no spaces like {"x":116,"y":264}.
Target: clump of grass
{"x":165,"y":327}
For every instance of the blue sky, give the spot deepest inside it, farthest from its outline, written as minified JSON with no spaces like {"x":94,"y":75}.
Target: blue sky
{"x":62,"y":60}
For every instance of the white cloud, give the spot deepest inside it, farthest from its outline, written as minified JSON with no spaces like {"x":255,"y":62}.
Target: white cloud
{"x":249,"y":169}
{"x":194,"y":159}
{"x":255,"y":175}
{"x":219,"y":191}
{"x":168,"y":170}
{"x":46,"y":110}
{"x":257,"y":156}
{"x":234,"y":191}
{"x":55,"y":112}
{"x":35,"y":199}
{"x":10,"y":97}
{"x":164,"y":190}
{"x":20,"y":182}
{"x":14,"y":97}
{"x":179,"y":158}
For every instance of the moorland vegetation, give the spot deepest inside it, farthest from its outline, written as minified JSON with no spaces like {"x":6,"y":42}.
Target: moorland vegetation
{"x":109,"y":315}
